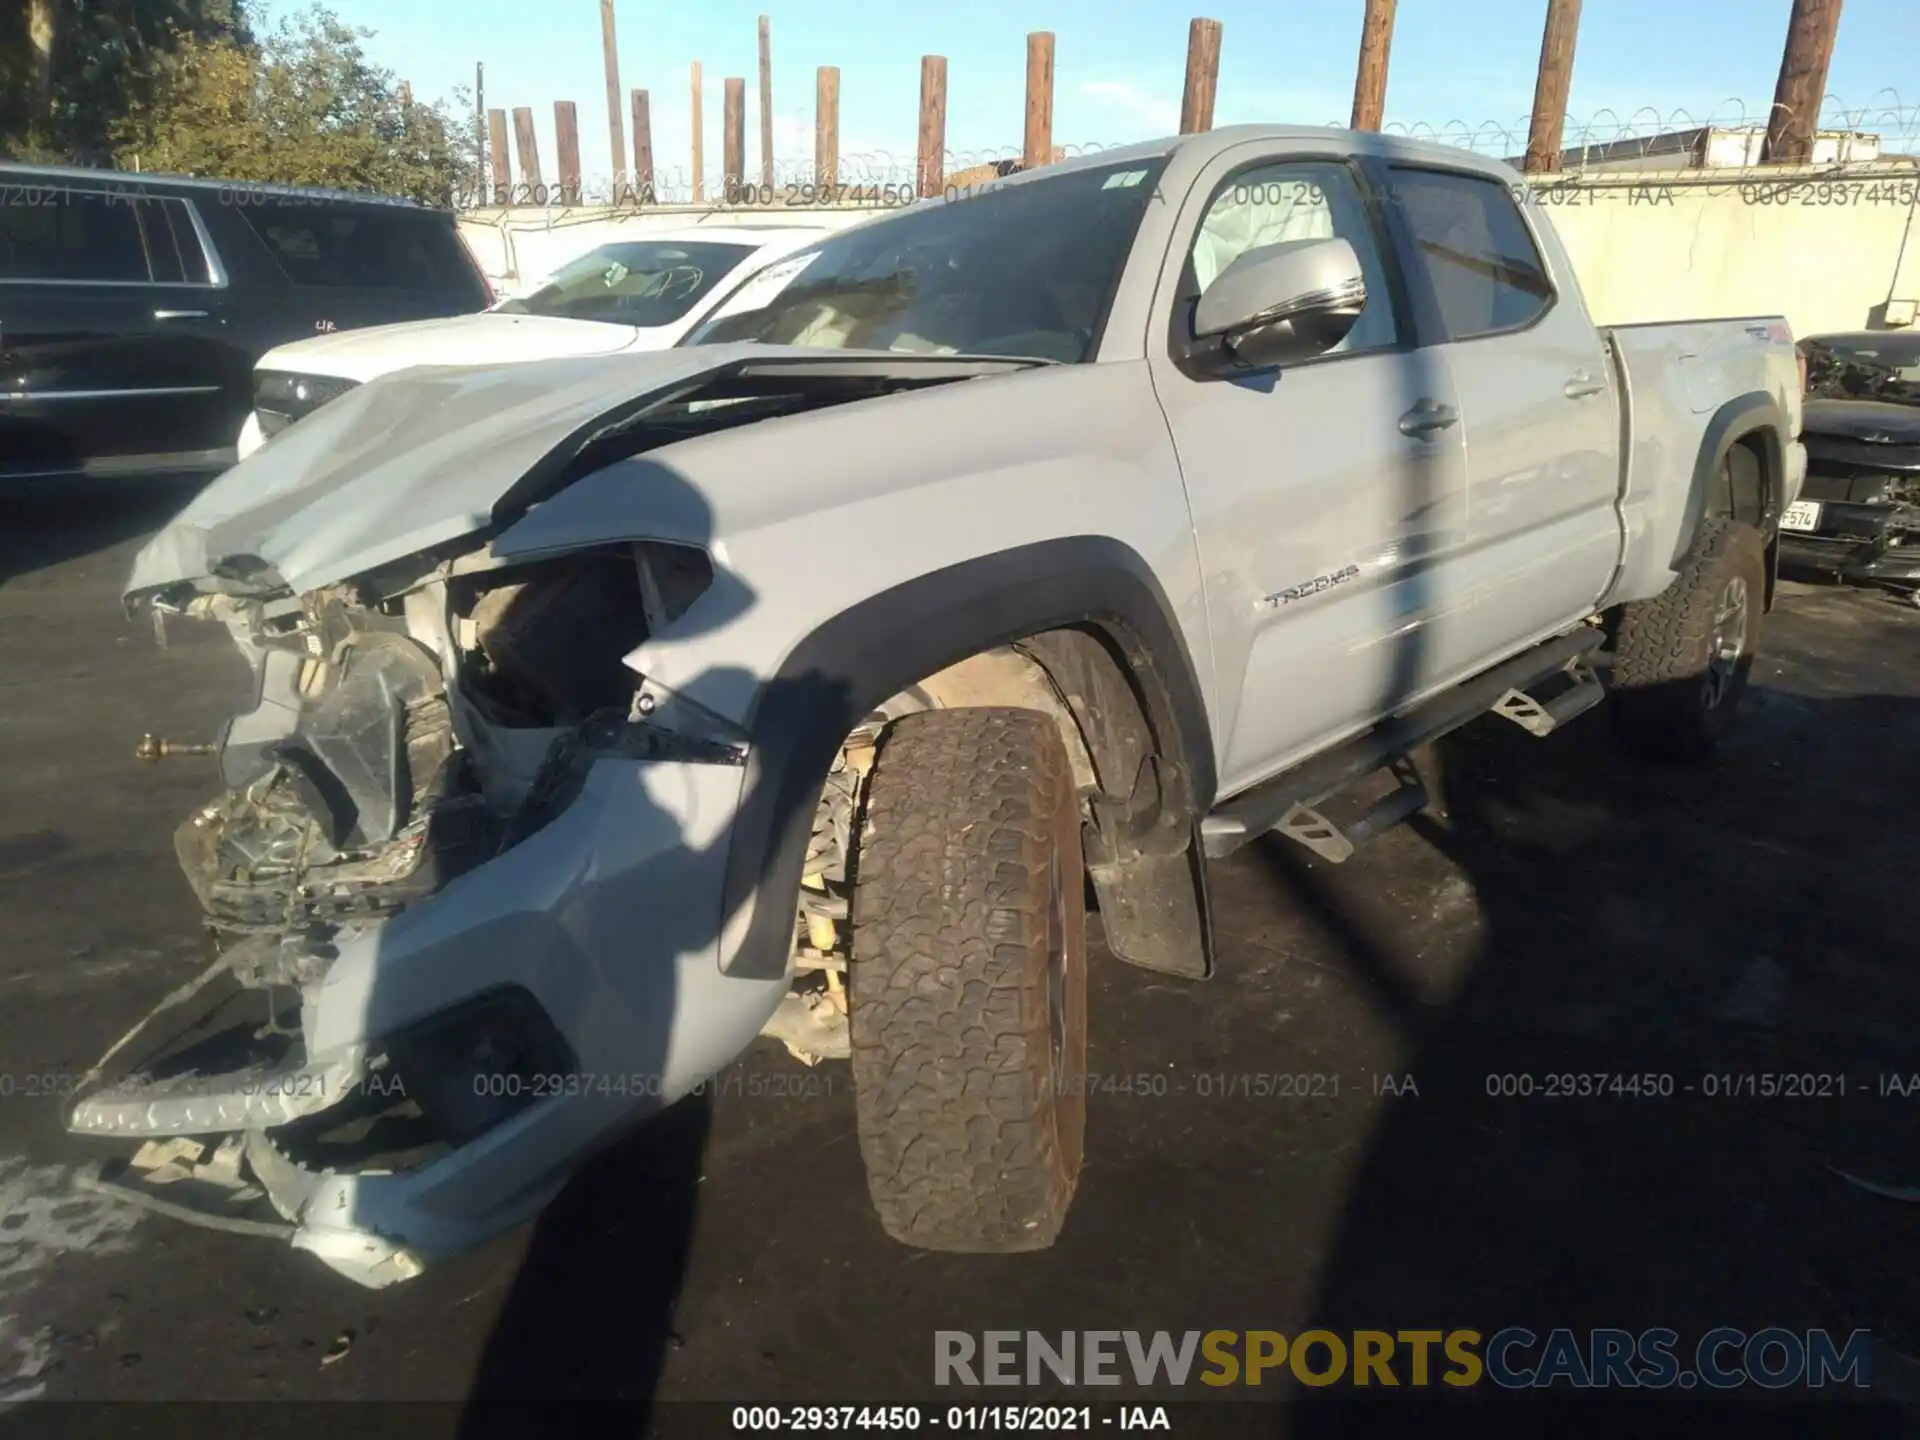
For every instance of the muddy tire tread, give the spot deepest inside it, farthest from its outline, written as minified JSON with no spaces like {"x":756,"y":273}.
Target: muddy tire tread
{"x":960,"y":1124}
{"x":1660,"y":645}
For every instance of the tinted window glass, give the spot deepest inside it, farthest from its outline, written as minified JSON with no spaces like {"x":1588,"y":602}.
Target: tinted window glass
{"x":164,"y":255}
{"x":352,"y":248}
{"x":1275,"y":204}
{"x":1476,"y":250}
{"x":645,"y":282}
{"x":1026,"y":269}
{"x":52,"y":233}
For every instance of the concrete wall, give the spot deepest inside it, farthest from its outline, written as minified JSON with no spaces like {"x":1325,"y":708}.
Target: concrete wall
{"x":1828,"y":253}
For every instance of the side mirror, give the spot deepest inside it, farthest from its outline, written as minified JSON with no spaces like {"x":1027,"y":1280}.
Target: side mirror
{"x":1280,"y":303}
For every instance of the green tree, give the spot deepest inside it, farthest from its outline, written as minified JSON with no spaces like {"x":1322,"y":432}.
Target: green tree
{"x":70,"y":69}
{"x":304,"y":106}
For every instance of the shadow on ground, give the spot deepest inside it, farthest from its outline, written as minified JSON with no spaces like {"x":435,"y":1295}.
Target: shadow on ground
{"x":1696,"y":928}
{"x":45,"y":522}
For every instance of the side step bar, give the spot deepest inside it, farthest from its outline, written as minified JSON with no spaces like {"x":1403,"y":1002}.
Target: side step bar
{"x":1287,"y":802}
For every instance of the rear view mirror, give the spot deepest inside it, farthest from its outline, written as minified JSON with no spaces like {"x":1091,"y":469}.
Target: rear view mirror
{"x":1280,"y":303}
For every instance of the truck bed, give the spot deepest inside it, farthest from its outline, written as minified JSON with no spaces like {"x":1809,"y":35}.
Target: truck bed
{"x":1678,"y":380}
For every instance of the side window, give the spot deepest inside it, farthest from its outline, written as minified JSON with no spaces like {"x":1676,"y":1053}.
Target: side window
{"x":173,"y":247}
{"x":371,"y":248}
{"x":1476,"y":250}
{"x":49,"y":233}
{"x":1294,"y":201}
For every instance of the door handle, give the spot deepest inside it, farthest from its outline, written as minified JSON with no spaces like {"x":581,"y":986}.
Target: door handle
{"x":1581,"y":386}
{"x":1427,"y":418}
{"x":179,"y":314}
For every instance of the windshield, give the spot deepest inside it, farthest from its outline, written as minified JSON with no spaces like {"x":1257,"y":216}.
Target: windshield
{"x":1019,"y":270}
{"x":637,"y":282}
{"x":1864,"y":367}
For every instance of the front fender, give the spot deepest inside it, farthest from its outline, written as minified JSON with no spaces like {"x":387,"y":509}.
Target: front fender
{"x":845,"y":668}
{"x":860,"y":548}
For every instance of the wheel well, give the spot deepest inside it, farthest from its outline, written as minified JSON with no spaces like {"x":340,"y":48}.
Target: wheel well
{"x":1006,"y":675}
{"x":1140,"y":809}
{"x":1752,"y":495}
{"x":1073,"y":675}
{"x":1750,"y":485}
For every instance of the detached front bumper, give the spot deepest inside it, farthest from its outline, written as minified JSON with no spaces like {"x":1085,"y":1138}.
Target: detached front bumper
{"x":608,"y":921}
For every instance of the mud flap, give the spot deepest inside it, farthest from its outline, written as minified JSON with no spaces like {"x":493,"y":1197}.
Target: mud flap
{"x":1150,"y":877}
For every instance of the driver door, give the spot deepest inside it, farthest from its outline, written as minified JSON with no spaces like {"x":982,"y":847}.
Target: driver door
{"x":1329,"y":495}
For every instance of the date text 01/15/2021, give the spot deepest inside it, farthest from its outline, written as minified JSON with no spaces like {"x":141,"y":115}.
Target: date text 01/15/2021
{"x":913,"y":1419}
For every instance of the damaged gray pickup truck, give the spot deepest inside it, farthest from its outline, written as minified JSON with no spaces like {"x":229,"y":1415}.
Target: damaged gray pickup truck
{"x":612,"y":712}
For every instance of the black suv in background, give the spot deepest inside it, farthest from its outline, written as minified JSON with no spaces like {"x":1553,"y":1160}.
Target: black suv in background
{"x":133,"y":307}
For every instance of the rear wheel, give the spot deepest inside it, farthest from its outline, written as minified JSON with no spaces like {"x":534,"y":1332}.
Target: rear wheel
{"x":1681,"y":659}
{"x":968,"y":981}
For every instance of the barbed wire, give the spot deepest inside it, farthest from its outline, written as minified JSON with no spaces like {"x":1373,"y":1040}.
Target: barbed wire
{"x":1882,"y":134}
{"x":1608,"y":136}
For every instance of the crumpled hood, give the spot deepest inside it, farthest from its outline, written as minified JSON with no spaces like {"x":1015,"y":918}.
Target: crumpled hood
{"x":408,"y":461}
{"x":487,"y":338}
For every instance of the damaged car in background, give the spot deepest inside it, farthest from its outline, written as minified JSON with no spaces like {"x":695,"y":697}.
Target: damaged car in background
{"x":1858,"y":517}
{"x":609,"y":712}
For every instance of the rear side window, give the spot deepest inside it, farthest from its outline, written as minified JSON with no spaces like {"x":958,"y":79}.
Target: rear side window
{"x":1476,"y":250}
{"x":53,"y":233}
{"x":341,"y":247}
{"x":173,"y":246}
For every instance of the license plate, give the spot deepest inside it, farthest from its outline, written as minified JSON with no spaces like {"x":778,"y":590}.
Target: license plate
{"x":1801,"y":515}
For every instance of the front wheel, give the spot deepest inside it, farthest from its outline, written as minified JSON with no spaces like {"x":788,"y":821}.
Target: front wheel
{"x":1681,"y":659}
{"x":968,"y":984}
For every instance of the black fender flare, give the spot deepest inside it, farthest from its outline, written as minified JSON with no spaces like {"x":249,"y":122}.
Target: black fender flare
{"x":1754,"y":413}
{"x":838,"y":674}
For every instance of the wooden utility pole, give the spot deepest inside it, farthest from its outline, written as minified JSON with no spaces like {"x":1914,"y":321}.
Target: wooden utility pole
{"x":616,"y":133}
{"x":766,"y":105}
{"x":1802,"y":86}
{"x":733,"y":137}
{"x":502,"y":174}
{"x":1370,"y":83}
{"x":1038,"y":149}
{"x":1550,"y":88}
{"x":826,"y":128}
{"x":931,"y":166}
{"x":699,"y":180}
{"x":1203,"y":76}
{"x":529,"y":151}
{"x":642,"y":147}
{"x":480,"y":132}
{"x":566,"y":138}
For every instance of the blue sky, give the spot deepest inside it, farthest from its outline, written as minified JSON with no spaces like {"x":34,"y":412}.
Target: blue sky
{"x":1119,"y":64}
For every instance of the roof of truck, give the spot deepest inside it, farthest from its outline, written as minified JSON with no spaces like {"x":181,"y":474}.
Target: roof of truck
{"x":1210,"y":142}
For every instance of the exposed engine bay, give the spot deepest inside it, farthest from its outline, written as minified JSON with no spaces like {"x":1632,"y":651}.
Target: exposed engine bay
{"x":407,"y":729}
{"x":469,"y":876}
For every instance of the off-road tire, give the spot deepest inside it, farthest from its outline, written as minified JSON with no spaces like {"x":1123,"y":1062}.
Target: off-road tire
{"x":968,"y":981}
{"x":1670,"y":702}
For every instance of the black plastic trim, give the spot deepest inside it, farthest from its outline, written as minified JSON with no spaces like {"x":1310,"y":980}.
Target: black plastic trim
{"x":836,"y":677}
{"x":1752,"y":413}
